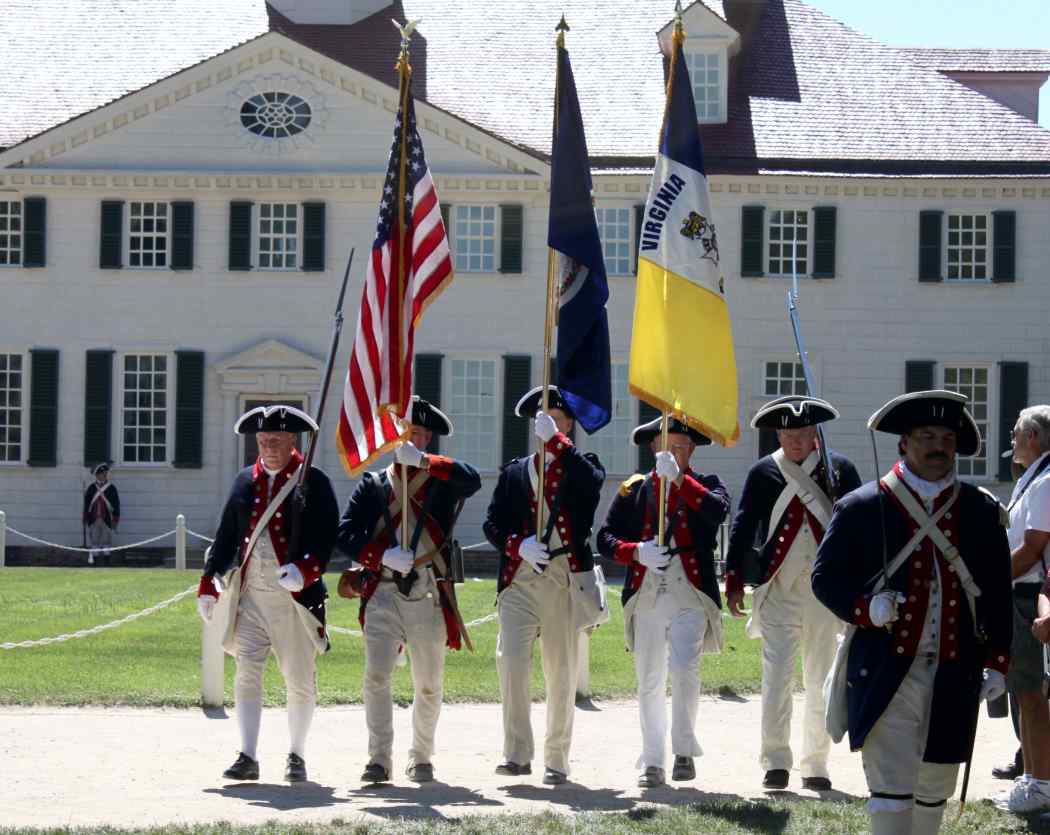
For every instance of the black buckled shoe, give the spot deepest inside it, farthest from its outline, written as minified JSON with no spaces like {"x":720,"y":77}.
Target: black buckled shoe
{"x":775,"y":779}
{"x":684,"y":769}
{"x":554,"y":778}
{"x":511,"y":769}
{"x":1010,"y":771}
{"x":651,"y":778}
{"x":420,"y":773}
{"x":295,"y":770}
{"x":816,"y":784}
{"x":243,"y":768}
{"x":375,"y":773}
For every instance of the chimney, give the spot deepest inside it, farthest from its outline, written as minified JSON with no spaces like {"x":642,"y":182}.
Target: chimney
{"x":339,"y":12}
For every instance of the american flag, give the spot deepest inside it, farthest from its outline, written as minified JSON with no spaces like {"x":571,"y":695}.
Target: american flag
{"x":379,"y":378}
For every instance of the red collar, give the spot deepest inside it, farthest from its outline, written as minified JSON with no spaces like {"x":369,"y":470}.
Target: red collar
{"x":259,"y":471}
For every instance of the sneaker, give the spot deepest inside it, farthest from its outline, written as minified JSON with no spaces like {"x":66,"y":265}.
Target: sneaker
{"x":1017,"y":788}
{"x":1034,"y":797}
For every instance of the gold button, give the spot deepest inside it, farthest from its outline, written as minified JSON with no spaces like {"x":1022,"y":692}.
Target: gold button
{"x":278,"y":514}
{"x":907,"y":617}
{"x":900,"y":650}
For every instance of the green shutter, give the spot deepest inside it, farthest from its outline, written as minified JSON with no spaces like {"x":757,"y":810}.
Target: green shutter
{"x":427,"y":384}
{"x":240,"y":235}
{"x":517,"y":379}
{"x":512,"y":237}
{"x":646,"y":459}
{"x":824,"y":230}
{"x":98,"y":406}
{"x":111,"y":240}
{"x":1004,"y":258}
{"x":930,"y":231}
{"x":446,"y":213}
{"x":1013,"y":396}
{"x":182,"y":235}
{"x":34,"y":232}
{"x":639,"y":215}
{"x":918,"y":375}
{"x":43,"y":408}
{"x":313,"y":237}
{"x":189,"y":409}
{"x":752,"y":221}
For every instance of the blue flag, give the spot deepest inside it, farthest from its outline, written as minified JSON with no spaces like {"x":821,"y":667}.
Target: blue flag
{"x":584,"y":373}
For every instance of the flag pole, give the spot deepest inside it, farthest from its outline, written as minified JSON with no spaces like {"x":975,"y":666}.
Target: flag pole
{"x":404,"y":70}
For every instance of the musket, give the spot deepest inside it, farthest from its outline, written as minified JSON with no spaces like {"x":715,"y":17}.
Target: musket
{"x":299,"y":496}
{"x":807,"y":372}
{"x":981,"y":640}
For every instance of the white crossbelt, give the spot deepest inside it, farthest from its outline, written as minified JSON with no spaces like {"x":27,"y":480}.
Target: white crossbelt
{"x":799,"y":481}
{"x":100,"y":493}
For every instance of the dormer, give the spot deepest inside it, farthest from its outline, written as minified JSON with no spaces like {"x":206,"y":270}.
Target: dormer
{"x":709,"y":44}
{"x":328,"y":12}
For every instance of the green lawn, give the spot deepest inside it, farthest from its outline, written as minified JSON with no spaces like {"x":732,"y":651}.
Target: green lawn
{"x":712,"y":816}
{"x":156,"y":660}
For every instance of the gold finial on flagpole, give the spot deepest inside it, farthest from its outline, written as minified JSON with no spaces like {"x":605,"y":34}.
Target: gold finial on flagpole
{"x":406,"y":33}
{"x":561,"y":29}
{"x":679,"y":31}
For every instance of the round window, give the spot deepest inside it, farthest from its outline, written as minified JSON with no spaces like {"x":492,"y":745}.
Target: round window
{"x":275,"y":115}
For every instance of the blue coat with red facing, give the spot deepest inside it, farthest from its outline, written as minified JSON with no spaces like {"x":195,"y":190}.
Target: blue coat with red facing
{"x":850,"y":561}
{"x":450,"y":483}
{"x":246,"y":504}
{"x":695,"y":511}
{"x":572,"y":484}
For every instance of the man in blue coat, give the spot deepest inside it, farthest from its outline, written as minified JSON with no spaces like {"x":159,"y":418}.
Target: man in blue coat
{"x":535,"y":569}
{"x":919,"y":564}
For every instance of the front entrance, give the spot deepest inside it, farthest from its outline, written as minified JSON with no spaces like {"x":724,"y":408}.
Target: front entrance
{"x":251,"y":448}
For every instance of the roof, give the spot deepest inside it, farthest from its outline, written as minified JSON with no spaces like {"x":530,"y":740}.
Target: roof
{"x":980,"y":60}
{"x":805,"y":91}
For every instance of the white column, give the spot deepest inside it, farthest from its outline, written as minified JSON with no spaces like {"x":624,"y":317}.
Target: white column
{"x":583,"y":665}
{"x":3,"y":538}
{"x":180,"y":542}
{"x":212,"y":664}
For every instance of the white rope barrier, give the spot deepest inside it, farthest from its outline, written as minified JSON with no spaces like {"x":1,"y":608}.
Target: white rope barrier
{"x":95,"y":630}
{"x":199,"y":535}
{"x":95,"y":550}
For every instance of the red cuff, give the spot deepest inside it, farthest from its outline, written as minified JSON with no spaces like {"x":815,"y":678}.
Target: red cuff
{"x":558,"y":444}
{"x":440,"y":467}
{"x":861,"y":612}
{"x":997,"y":659}
{"x":692,"y":492}
{"x":625,"y":552}
{"x":371,"y":556}
{"x":512,"y":545}
{"x":310,"y":568}
{"x":734,"y":583}
{"x":207,"y":587}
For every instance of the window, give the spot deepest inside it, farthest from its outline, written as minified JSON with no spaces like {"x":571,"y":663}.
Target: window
{"x":278,"y":236}
{"x":788,"y":240}
{"x":474,"y":238}
{"x":612,"y":443}
{"x":705,"y":74}
{"x":12,"y":389}
{"x":275,"y":115}
{"x":10,"y":233}
{"x":148,"y":235}
{"x":473,"y":410}
{"x":144,"y":414}
{"x":614,"y":228}
{"x":967,"y":247}
{"x":783,"y":378}
{"x":973,"y":382}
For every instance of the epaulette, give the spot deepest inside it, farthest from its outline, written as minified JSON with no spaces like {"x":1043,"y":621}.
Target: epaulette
{"x":1004,"y":514}
{"x":625,"y":487}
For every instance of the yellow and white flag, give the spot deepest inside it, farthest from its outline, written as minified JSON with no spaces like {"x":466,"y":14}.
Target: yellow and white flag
{"x":682,"y":358}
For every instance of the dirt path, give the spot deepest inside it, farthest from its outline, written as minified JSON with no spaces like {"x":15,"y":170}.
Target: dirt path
{"x":125,"y":766}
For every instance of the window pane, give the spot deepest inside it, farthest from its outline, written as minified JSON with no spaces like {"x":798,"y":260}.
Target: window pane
{"x":967,"y":248}
{"x":474,"y":242}
{"x":473,"y":410}
{"x":148,"y":250}
{"x":612,"y":443}
{"x":144,"y":416}
{"x":11,"y":417}
{"x":278,"y":236}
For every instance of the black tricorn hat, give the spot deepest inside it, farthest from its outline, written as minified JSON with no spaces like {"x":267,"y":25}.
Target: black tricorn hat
{"x":793,"y":412}
{"x":101,"y":468}
{"x":276,"y":418}
{"x":532,"y":400}
{"x":645,"y":433}
{"x":429,"y":416}
{"x":930,"y":408}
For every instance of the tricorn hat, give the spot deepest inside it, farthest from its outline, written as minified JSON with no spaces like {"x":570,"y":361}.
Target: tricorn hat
{"x":793,"y":412}
{"x":276,"y":418}
{"x":645,"y":433}
{"x":429,"y":416}
{"x":532,"y":400}
{"x":101,"y":468}
{"x":930,"y":408}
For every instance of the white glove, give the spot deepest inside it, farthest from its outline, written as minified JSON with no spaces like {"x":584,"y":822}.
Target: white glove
{"x":883,"y":607}
{"x":666,"y":466}
{"x":206,"y":607}
{"x":398,"y":559}
{"x":408,"y":454}
{"x":290,"y":577}
{"x":546,"y":428}
{"x":653,"y":556}
{"x":534,"y":553}
{"x":993,"y":686}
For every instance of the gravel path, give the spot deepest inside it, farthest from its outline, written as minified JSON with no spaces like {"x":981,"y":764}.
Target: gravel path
{"x":124,"y":766}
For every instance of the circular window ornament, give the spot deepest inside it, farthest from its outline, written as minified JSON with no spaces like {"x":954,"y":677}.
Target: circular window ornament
{"x":276,"y":115}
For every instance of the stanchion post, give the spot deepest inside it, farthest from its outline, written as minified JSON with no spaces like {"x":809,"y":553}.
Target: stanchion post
{"x":583,"y":665}
{"x":180,"y":542}
{"x":3,"y":538}
{"x":213,"y":683}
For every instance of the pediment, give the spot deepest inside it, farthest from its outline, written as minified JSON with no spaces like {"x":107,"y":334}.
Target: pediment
{"x":269,"y":355}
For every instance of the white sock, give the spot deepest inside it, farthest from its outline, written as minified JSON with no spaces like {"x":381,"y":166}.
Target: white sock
{"x":300,"y":715}
{"x":249,"y":718}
